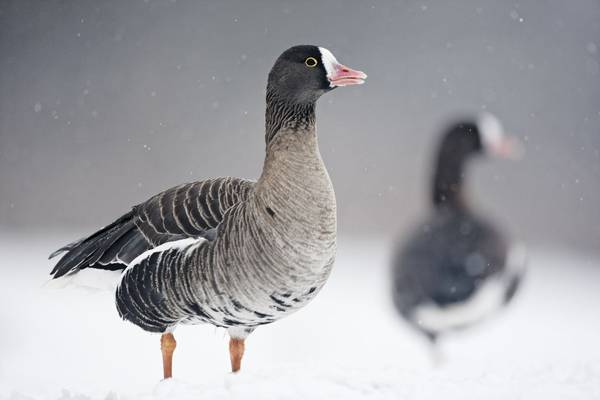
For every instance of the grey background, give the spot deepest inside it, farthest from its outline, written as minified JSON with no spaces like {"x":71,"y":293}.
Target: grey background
{"x":103,"y":104}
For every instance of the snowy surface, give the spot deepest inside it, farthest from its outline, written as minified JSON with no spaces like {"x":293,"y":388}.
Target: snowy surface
{"x":347,"y":344}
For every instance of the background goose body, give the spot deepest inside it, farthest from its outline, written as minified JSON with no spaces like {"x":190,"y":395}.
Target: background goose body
{"x":457,"y":268}
{"x":459,"y":273}
{"x":227,"y":251}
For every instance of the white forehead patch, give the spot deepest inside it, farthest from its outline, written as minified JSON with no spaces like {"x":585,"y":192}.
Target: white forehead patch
{"x":490,"y":129}
{"x":329,"y":61}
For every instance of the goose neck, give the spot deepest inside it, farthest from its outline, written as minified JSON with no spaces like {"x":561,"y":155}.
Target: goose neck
{"x":285,"y":115}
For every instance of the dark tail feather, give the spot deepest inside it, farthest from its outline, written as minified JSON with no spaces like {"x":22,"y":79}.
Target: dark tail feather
{"x":67,"y":247}
{"x":126,"y":248}
{"x":87,"y":252}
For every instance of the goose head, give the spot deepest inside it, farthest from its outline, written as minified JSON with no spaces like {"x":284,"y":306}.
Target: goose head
{"x":304,"y":73}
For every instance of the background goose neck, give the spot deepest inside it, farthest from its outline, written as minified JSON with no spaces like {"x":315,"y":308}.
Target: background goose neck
{"x":448,"y":187}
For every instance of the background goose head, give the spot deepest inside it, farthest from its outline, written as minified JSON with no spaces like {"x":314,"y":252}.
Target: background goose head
{"x":304,"y":73}
{"x":482,"y":136}
{"x":463,"y":140}
{"x":493,"y":139}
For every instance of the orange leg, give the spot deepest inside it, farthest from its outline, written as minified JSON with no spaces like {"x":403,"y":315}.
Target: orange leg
{"x":167,"y":347}
{"x":236,"y":352}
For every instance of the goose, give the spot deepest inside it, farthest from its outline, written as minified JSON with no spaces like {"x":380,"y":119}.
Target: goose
{"x":457,"y":268}
{"x":231,"y":252}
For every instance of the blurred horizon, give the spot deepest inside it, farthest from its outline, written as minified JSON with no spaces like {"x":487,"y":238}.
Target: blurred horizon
{"x":105,"y":104}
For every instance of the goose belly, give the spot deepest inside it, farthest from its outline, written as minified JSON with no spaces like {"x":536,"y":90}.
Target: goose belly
{"x":261,"y":288}
{"x":266,"y":271}
{"x":267,"y":305}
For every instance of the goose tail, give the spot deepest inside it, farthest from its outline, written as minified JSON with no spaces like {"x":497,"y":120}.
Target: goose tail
{"x":104,"y":249}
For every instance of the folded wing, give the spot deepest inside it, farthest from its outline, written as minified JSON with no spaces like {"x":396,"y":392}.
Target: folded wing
{"x":189,"y":210}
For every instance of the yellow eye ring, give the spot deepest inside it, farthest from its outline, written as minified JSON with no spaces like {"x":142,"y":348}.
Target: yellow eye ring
{"x":311,"y":62}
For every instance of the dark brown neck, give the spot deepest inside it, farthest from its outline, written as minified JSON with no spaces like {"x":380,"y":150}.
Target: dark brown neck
{"x":282,"y":114}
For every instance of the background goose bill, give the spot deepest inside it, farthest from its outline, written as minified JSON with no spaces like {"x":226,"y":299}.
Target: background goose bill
{"x":345,"y":76}
{"x":494,"y":139}
{"x":507,"y":147}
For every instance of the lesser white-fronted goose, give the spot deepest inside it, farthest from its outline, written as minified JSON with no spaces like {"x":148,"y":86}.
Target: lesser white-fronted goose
{"x":231,"y":252}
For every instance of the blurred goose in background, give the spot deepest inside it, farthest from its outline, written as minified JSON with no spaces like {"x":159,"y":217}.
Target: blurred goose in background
{"x":457,"y":268}
{"x":232,"y":252}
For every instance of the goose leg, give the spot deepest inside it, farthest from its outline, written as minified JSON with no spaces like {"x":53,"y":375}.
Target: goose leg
{"x":167,"y":347}
{"x":237,"y":336}
{"x":236,"y":352}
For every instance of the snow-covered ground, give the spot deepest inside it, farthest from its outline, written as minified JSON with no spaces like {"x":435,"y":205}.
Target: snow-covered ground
{"x":347,"y":344}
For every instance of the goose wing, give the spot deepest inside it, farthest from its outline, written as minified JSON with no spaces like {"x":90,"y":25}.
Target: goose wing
{"x":191,"y":210}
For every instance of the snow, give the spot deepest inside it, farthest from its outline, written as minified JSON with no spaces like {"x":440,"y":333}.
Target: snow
{"x":70,"y":344}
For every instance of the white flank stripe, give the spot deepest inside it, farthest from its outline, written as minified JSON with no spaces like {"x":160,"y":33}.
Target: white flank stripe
{"x":174,"y":245}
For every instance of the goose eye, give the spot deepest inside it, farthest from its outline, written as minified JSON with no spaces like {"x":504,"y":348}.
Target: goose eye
{"x":311,"y":62}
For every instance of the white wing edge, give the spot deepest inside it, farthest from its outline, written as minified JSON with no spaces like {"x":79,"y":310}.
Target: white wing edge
{"x":188,"y":244}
